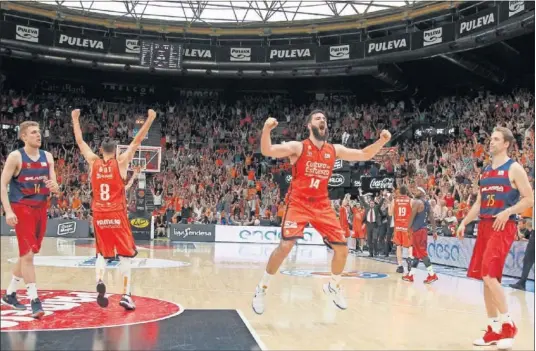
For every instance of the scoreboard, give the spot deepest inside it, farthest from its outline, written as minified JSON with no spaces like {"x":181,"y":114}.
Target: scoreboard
{"x":160,"y":55}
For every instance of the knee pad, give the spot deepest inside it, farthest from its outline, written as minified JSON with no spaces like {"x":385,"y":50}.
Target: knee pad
{"x":125,"y":264}
{"x":426,"y":261}
{"x":413,"y":262}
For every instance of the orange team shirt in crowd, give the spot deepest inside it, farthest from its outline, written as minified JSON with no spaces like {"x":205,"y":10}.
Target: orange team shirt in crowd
{"x":258,"y":186}
{"x":219,"y":163}
{"x":401,"y":212}
{"x":359,"y":216}
{"x":251,"y":175}
{"x":343,"y":218}
{"x":251,"y":193}
{"x":248,"y":160}
{"x":479,"y":150}
{"x":281,"y":210}
{"x":233,"y":172}
{"x":431,"y":181}
{"x":76,"y":203}
{"x":108,"y":186}
{"x":311,"y":173}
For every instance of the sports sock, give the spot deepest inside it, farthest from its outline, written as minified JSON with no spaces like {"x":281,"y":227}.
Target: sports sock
{"x":13,"y":285}
{"x":126,"y":271}
{"x":265,"y":280}
{"x":100,"y":267}
{"x":335,"y":280}
{"x":32,"y":291}
{"x":430,"y":270}
{"x":494,"y":324}
{"x":505,"y":318}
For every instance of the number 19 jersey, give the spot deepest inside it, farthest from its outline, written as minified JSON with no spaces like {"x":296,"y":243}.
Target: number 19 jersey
{"x":108,"y":186}
{"x":312,"y":171}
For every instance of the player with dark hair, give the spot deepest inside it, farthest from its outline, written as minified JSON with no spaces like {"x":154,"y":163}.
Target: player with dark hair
{"x":421,"y":215}
{"x":30,"y":174}
{"x":112,"y":228}
{"x":504,"y":192}
{"x":308,"y":201}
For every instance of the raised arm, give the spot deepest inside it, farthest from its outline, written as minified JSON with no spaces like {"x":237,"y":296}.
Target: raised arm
{"x":365,"y":154}
{"x":127,"y":156}
{"x":85,"y":150}
{"x":289,"y":149}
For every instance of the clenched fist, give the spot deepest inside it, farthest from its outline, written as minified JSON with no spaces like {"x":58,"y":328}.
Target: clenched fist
{"x":385,"y":135}
{"x":151,"y":113}
{"x":270,"y":123}
{"x":75,"y":114}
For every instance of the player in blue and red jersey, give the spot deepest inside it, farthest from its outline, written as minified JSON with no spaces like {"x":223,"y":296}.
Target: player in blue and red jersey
{"x":30,"y":174}
{"x":504,"y":192}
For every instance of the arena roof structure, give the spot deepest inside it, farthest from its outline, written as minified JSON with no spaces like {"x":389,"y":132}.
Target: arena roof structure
{"x":232,"y":12}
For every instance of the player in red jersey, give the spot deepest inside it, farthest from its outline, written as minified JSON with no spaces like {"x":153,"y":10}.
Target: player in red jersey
{"x":112,"y":229}
{"x":343,"y":216}
{"x":308,"y":200}
{"x":30,"y":174}
{"x":400,"y":210}
{"x":504,"y":192}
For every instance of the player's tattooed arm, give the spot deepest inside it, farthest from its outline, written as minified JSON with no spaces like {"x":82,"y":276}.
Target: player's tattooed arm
{"x":365,"y":154}
{"x":416,"y":207}
{"x":289,"y":149}
{"x":85,"y":150}
{"x":127,"y":156}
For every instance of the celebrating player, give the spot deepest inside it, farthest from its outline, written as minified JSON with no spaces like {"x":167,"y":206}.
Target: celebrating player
{"x":308,"y":200}
{"x":504,"y":192}
{"x":110,"y":220}
{"x":30,"y":174}
{"x":421,"y":215}
{"x":400,"y":210}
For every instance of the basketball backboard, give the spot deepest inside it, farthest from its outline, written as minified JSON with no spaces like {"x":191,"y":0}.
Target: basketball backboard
{"x":148,"y":157}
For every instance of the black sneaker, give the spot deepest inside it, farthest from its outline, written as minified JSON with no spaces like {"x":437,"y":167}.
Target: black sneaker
{"x":37,"y":309}
{"x":519,"y":285}
{"x":102,"y":300}
{"x":11,"y":300}
{"x":400,"y":269}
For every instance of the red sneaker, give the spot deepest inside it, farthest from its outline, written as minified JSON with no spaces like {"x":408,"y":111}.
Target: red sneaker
{"x":508,"y":333}
{"x":489,"y":338}
{"x":430,"y":279}
{"x":408,"y":278}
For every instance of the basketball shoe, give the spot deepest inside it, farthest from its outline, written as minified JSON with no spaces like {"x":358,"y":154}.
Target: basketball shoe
{"x":508,"y":333}
{"x":430,"y":279}
{"x":102,"y":300}
{"x":127,"y":303}
{"x":336,"y":295}
{"x":408,"y":278}
{"x":37,"y":308}
{"x":11,"y":300}
{"x":489,"y":338}
{"x":258,"y":300}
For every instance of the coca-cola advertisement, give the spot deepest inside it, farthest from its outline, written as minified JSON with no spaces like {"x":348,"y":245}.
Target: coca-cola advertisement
{"x":375,"y":184}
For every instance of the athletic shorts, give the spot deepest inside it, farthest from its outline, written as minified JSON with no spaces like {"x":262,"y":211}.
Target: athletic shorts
{"x":419,"y":243}
{"x":30,"y":228}
{"x":113,"y":235}
{"x":491,"y":250}
{"x":319,"y":214}
{"x":401,"y":238}
{"x":359,"y":232}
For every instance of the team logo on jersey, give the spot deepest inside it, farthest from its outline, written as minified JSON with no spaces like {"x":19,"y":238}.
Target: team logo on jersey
{"x":291,"y":225}
{"x":64,"y":308}
{"x":139,"y":222}
{"x":500,"y":173}
{"x":327,"y":156}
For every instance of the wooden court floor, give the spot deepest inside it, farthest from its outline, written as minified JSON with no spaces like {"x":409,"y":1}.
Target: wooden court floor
{"x":385,"y":313}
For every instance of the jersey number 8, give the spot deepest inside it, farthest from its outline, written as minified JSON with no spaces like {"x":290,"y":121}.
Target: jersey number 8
{"x":105,"y":192}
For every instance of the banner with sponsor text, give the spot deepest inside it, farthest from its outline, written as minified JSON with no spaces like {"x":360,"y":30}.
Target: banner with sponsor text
{"x":291,"y":53}
{"x":387,"y":45}
{"x":241,"y":54}
{"x":433,"y":36}
{"x":56,"y":227}
{"x":125,"y":46}
{"x":26,"y":33}
{"x":478,"y":22}
{"x":77,"y":41}
{"x":192,"y":232}
{"x":340,"y":53}
{"x":262,"y":235}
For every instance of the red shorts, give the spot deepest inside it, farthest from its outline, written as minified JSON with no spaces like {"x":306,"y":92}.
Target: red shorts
{"x":113,"y":235}
{"x":401,"y":238}
{"x":30,"y":228}
{"x":346,"y":232}
{"x":319,"y":214}
{"x":491,"y":250}
{"x":419,"y":243}
{"x":359,"y":232}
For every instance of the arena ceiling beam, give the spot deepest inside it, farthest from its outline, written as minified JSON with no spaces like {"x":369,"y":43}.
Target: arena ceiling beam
{"x":478,"y":67}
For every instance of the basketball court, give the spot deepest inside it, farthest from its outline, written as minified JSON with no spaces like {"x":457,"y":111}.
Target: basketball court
{"x":198,"y":296}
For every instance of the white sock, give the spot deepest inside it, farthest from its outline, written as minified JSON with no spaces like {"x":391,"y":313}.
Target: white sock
{"x":494,"y":324}
{"x":13,"y":285}
{"x":505,"y":318}
{"x":405,"y":269}
{"x":265,"y":280}
{"x":31,"y":290}
{"x":411,"y":272}
{"x":335,"y":280}
{"x":100,"y":267}
{"x":430,"y":270}
{"x":126,"y":271}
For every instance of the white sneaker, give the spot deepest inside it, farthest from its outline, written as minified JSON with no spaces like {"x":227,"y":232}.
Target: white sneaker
{"x":127,"y":303}
{"x":258,"y":300}
{"x":336,"y":295}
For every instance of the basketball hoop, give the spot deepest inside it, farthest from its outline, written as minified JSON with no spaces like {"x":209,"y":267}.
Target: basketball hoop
{"x":146,"y":158}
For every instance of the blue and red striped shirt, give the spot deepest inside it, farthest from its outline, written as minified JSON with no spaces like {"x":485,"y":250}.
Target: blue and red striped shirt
{"x":496,"y":191}
{"x":28,"y":187}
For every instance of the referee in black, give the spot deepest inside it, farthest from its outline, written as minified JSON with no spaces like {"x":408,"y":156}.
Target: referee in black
{"x":528,"y":261}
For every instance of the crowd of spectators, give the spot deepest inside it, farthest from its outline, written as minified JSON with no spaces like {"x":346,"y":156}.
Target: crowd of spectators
{"x":211,"y":171}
